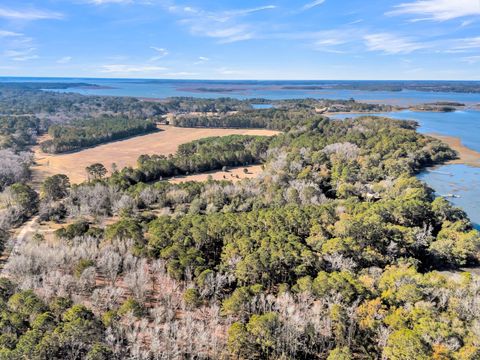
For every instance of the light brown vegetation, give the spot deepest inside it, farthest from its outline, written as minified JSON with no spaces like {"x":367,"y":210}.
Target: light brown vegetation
{"x":126,"y":152}
{"x":233,"y":174}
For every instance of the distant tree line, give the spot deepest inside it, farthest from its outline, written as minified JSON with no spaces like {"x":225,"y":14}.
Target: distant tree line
{"x":278,"y":119}
{"x":427,"y":86}
{"x":19,"y":132}
{"x":285,"y":115}
{"x":85,"y":133}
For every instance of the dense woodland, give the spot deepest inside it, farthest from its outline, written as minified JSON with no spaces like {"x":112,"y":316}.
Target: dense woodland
{"x":283,"y":115}
{"x":85,"y":133}
{"x":277,"y":119}
{"x":336,"y":251}
{"x":334,"y":105}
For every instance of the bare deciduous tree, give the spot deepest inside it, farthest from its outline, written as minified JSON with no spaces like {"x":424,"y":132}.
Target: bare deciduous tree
{"x":110,"y":263}
{"x":139,"y":280}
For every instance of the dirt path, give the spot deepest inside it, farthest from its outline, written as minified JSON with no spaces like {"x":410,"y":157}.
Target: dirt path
{"x":24,"y":233}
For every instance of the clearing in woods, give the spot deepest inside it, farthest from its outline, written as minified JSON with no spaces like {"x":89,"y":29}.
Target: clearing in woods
{"x":126,"y":152}
{"x":232,"y":174}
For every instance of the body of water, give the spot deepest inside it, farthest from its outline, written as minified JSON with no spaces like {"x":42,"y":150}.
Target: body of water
{"x":461,"y":181}
{"x":262,"y":106}
{"x":275,"y":90}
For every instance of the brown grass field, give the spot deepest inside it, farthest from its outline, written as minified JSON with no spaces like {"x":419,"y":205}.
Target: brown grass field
{"x":233,"y":174}
{"x":126,"y":152}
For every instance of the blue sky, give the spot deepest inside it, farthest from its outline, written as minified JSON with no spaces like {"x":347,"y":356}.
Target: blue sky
{"x":276,"y":39}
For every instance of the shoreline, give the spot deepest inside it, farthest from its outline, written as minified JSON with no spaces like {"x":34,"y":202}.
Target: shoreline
{"x":466,"y":156}
{"x":366,"y":113}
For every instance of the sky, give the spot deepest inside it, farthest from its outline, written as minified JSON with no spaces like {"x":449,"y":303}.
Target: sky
{"x":242,"y":39}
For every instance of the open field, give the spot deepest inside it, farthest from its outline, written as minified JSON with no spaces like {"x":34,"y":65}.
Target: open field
{"x":233,"y":174}
{"x":126,"y":152}
{"x":466,"y":155}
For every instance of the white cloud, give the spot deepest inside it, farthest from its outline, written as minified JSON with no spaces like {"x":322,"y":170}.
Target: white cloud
{"x":244,"y":12}
{"x":14,"y":53}
{"x":356,"y":22}
{"x":181,"y":73}
{"x":438,"y":10}
{"x":225,"y":26}
{"x":16,"y":46}
{"x":338,"y":41}
{"x":202,"y":60}
{"x":329,"y":40}
{"x":466,"y":23}
{"x":230,"y":34}
{"x":102,"y":2}
{"x":29,"y":14}
{"x":471,"y":59}
{"x":5,"y":33}
{"x":64,"y":60}
{"x":313,"y":4}
{"x":130,"y":69}
{"x":20,"y":55}
{"x":468,"y":43}
{"x":391,"y":44}
{"x":25,"y":58}
{"x":161,"y":53}
{"x":228,"y":71}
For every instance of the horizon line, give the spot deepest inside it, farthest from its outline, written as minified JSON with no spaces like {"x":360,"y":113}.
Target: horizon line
{"x":205,"y":79}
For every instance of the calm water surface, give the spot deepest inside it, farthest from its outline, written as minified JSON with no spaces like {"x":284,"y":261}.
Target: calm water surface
{"x":459,"y":180}
{"x":275,"y":90}
{"x":262,"y":106}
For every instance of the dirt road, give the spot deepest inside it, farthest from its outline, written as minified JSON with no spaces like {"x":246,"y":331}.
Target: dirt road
{"x":25,"y":233}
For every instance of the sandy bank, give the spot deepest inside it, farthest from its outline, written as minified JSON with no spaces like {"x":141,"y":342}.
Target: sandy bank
{"x":466,"y":155}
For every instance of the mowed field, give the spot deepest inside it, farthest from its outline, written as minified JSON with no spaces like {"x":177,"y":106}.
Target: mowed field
{"x":126,"y":152}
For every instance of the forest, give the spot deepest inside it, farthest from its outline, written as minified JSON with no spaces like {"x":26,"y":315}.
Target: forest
{"x":283,"y":115}
{"x":335,"y":251}
{"x":86,"y":133}
{"x":277,"y":119}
